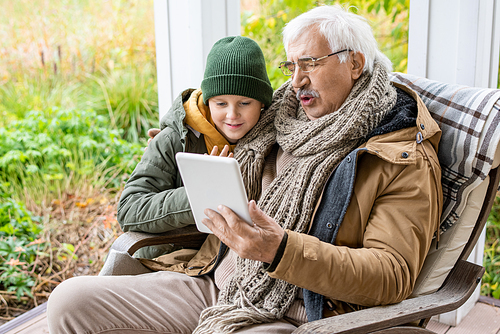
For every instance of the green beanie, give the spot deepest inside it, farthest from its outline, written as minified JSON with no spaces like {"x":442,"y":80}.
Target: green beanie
{"x":236,"y":66}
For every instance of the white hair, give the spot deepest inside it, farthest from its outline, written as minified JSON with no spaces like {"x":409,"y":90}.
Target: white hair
{"x":343,"y":30}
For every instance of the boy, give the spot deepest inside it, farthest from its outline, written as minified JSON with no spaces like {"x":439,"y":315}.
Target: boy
{"x":234,"y":91}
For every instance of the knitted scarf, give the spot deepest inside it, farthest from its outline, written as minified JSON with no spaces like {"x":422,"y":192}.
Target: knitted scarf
{"x":251,"y":296}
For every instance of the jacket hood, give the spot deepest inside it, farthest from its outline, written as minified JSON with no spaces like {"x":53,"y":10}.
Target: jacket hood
{"x":396,"y":141}
{"x":174,"y":118}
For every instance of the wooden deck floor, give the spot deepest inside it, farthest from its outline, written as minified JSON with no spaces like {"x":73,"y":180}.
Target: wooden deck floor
{"x":483,"y":318}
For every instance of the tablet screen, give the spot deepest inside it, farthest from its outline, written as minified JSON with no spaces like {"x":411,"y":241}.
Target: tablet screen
{"x":210,"y":181}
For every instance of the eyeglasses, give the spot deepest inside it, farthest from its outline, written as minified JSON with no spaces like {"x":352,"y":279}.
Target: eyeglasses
{"x":306,"y":64}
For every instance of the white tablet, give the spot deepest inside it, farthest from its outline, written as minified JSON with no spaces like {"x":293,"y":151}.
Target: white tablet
{"x":211,"y":181}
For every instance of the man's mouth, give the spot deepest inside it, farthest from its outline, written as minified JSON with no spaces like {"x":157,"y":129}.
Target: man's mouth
{"x":306,"y":99}
{"x":306,"y":96}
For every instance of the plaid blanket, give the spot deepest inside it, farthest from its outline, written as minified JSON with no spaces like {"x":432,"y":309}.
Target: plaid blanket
{"x":469,"y":119}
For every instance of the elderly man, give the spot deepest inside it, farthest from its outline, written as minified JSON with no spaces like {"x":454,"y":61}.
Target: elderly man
{"x":344,"y":170}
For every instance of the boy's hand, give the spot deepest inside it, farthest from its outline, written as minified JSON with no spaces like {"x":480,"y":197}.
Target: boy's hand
{"x":215,"y":152}
{"x":152,"y":133}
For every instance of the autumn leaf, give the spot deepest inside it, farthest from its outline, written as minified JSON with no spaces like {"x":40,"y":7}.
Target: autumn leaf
{"x":84,"y":204}
{"x":35,"y":242}
{"x":109,"y":221}
{"x":14,"y":262}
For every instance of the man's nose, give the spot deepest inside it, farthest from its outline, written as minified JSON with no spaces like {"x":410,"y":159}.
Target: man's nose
{"x":299,"y":78}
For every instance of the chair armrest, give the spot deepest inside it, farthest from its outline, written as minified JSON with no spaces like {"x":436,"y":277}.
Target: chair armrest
{"x":188,"y":237}
{"x":457,"y":288}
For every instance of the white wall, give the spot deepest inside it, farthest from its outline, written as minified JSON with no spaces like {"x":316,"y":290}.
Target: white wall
{"x":185,"y":32}
{"x":455,"y":41}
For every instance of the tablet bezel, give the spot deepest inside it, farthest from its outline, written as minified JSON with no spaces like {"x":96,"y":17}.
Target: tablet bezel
{"x":210,"y":181}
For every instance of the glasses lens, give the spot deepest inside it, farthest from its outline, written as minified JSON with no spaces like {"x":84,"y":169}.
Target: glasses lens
{"x":306,"y":64}
{"x":287,"y":67}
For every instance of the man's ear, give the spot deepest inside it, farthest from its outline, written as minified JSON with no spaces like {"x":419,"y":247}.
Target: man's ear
{"x":357,"y":64}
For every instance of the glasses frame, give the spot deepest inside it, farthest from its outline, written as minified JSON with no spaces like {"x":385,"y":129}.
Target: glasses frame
{"x":285,"y":64}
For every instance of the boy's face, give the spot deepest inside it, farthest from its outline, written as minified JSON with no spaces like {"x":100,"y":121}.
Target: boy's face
{"x":234,"y":115}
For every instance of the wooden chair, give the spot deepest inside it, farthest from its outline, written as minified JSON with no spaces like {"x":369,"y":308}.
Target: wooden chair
{"x":447,"y":279}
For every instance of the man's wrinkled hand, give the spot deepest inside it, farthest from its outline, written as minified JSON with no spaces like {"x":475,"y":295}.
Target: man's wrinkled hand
{"x":259,"y":242}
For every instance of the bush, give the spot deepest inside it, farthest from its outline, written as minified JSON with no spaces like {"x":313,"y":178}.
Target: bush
{"x":41,"y":157}
{"x":490,"y":285}
{"x":19,"y":245}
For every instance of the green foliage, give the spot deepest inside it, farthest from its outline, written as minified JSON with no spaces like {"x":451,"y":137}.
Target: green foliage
{"x":264,"y":24}
{"x":15,"y":220}
{"x":12,"y":278}
{"x":32,"y":92}
{"x":490,"y":285}
{"x":66,"y":251}
{"x":129,"y":96}
{"x":71,"y":147}
{"x":19,"y":246}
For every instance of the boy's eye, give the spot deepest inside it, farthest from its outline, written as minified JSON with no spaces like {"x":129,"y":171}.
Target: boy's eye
{"x":221,"y":104}
{"x":245,"y":103}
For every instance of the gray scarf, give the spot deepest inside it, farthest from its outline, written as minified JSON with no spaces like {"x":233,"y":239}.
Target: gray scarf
{"x":251,"y":296}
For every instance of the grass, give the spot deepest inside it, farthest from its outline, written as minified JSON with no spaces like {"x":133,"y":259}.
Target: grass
{"x":78,"y":55}
{"x":127,"y":97}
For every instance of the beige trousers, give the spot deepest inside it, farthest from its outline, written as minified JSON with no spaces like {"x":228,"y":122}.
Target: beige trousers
{"x":159,"y":302}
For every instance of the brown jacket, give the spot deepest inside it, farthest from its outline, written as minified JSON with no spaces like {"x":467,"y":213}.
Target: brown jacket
{"x":385,"y":234}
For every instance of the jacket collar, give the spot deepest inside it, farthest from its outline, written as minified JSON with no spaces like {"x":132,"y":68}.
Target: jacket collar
{"x":399,"y":147}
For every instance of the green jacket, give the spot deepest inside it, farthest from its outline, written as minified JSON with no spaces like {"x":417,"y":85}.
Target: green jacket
{"x":154,"y":199}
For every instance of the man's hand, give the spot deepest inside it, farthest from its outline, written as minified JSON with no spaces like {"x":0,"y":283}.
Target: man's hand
{"x":259,"y":242}
{"x":223,"y":153}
